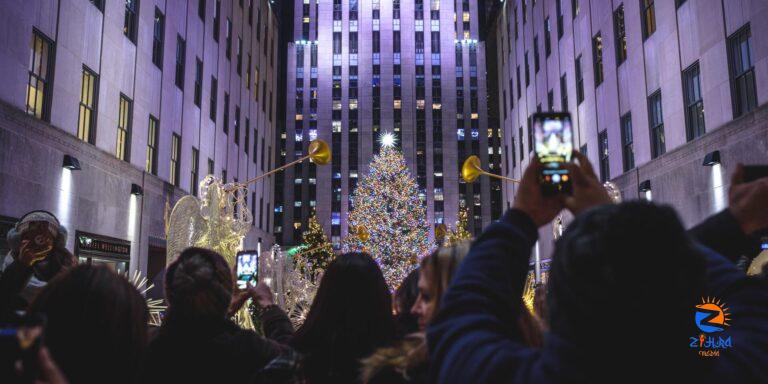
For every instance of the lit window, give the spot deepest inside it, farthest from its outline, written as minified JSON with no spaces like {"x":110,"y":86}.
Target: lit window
{"x":398,"y":104}
{"x":352,"y":104}
{"x":297,"y":203}
{"x":299,"y":117}
{"x":298,"y":137}
{"x":336,"y":126}
{"x":312,"y":134}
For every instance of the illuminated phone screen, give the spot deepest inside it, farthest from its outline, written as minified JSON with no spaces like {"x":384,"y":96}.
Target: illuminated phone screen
{"x":553,"y":143}
{"x":247,"y":268}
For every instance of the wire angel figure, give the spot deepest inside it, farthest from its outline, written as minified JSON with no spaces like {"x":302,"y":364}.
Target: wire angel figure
{"x":293,"y":291}
{"x":218,"y":220}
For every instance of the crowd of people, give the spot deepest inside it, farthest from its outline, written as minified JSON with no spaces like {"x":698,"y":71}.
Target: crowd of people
{"x":619,"y":305}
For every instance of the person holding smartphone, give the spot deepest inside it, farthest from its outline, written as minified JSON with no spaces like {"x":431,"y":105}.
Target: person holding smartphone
{"x":38,"y":253}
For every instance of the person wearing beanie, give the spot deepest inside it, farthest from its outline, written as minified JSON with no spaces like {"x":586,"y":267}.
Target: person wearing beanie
{"x":37,"y":254}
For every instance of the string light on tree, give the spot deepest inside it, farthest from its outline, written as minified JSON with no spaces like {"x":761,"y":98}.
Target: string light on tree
{"x":386,"y":203}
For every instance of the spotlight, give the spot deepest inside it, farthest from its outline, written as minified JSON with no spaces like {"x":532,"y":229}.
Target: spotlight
{"x":645,"y":186}
{"x":137,"y":190}
{"x":71,"y":163}
{"x":712,"y":158}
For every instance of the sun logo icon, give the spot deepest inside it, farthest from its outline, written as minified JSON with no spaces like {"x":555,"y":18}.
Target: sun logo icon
{"x":712,"y":315}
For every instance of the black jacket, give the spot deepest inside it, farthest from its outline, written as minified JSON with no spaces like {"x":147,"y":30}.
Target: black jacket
{"x":215,"y":352}
{"x":472,"y":339}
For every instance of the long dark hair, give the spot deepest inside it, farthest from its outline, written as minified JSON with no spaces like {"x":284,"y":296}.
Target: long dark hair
{"x":405,"y":297}
{"x":198,"y":285}
{"x":96,"y":325}
{"x":350,"y":317}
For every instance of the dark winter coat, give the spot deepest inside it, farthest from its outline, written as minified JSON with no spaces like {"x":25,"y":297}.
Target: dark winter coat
{"x":472,"y":339}
{"x":215,"y":352}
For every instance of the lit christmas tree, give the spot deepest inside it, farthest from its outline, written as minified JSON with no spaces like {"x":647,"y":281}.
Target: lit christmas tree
{"x":459,"y":233}
{"x":386,"y":204}
{"x":316,"y":252}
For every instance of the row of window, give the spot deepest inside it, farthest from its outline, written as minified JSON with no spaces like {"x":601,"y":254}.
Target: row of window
{"x":743,"y":92}
{"x":38,"y":105}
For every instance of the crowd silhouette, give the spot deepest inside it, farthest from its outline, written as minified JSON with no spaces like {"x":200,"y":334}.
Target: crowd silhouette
{"x":628,"y":297}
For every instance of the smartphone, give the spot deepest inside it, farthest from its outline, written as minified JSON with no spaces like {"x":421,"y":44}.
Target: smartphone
{"x":247,"y":268}
{"x":553,"y":143}
{"x":21,"y":341}
{"x":754,"y":172}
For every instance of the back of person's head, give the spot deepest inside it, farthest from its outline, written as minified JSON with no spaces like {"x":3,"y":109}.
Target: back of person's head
{"x":405,"y":297}
{"x":350,"y":317}
{"x":622,"y":273}
{"x":96,"y":328}
{"x":198,"y":286}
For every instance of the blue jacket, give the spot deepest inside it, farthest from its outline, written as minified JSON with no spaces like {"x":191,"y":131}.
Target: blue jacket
{"x":474,"y":339}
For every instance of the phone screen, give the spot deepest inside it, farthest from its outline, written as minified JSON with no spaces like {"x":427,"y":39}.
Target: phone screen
{"x":247,"y":268}
{"x":553,"y":142}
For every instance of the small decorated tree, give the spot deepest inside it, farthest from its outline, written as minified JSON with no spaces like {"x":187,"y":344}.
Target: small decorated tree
{"x":316,"y":252}
{"x":459,"y":233}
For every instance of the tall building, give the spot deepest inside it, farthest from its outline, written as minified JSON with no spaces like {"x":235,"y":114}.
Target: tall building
{"x":653,"y":87}
{"x":358,"y":69}
{"x":112,"y":109}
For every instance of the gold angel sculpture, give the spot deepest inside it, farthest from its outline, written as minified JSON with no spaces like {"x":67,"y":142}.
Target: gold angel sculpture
{"x":220,"y":219}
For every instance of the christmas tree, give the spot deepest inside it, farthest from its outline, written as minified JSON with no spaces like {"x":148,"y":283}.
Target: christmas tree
{"x":459,"y":233}
{"x":386,"y":204}
{"x":316,"y":252}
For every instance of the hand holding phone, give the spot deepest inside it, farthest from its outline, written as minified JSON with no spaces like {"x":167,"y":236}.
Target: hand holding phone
{"x":553,"y":144}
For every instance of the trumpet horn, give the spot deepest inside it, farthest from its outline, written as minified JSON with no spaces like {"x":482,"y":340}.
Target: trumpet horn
{"x":319,"y":152}
{"x":471,"y":170}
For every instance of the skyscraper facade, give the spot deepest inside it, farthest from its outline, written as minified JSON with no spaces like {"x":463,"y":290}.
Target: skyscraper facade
{"x":666,"y":97}
{"x":360,"y":68}
{"x":113,"y":110}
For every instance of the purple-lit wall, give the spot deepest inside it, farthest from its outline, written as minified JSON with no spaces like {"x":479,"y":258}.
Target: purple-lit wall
{"x":97,"y":201}
{"x":331,"y":198}
{"x":686,"y":32}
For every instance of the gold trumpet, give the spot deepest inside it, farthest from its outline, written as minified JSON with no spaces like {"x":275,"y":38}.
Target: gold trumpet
{"x":319,"y":152}
{"x":471,"y":170}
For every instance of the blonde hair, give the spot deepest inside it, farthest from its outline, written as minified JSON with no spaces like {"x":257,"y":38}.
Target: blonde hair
{"x":440,"y":267}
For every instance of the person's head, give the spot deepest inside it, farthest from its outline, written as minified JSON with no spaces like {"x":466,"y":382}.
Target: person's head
{"x":435,"y":275}
{"x":350,"y":316}
{"x":620,"y":269}
{"x":405,"y":297}
{"x":96,"y":324}
{"x":43,"y":234}
{"x":198,"y":286}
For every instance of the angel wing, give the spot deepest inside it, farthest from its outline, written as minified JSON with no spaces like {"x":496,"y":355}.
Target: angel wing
{"x":185,"y":226}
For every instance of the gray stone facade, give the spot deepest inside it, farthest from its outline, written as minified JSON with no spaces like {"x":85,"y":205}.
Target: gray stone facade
{"x":679,"y":41}
{"x":91,"y":34}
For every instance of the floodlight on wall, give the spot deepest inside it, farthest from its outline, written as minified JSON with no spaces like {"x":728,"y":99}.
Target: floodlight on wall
{"x":711,"y":159}
{"x":137,"y":190}
{"x":645,"y":189}
{"x":71,"y":163}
